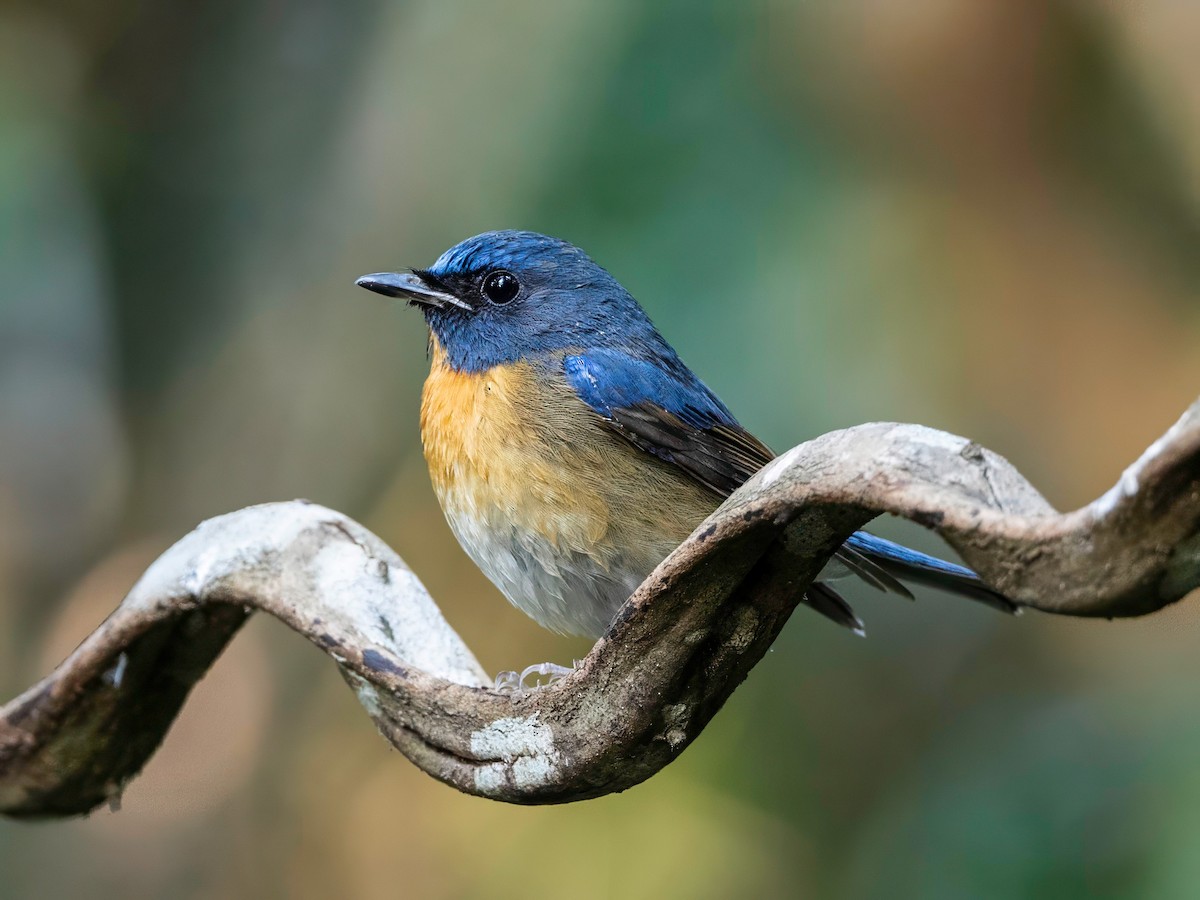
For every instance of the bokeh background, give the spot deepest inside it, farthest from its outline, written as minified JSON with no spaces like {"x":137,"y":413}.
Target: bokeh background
{"x":981,"y":215}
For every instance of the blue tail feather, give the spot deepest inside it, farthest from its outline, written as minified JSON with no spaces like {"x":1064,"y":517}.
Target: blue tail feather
{"x":921,"y":568}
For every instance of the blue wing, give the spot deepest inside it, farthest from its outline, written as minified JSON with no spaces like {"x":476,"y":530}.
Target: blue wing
{"x":609,"y":380}
{"x":664,"y":409}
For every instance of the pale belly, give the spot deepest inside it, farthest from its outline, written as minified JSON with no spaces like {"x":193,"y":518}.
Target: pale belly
{"x":571,"y":591}
{"x":563,"y":516}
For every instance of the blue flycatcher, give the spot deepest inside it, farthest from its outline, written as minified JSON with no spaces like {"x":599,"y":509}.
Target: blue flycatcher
{"x":570,"y":447}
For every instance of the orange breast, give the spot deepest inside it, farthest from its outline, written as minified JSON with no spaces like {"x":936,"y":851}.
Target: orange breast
{"x":499,"y":452}
{"x":563,"y":515}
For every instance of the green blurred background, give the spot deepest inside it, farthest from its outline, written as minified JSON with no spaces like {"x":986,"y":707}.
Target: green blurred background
{"x":981,"y":215}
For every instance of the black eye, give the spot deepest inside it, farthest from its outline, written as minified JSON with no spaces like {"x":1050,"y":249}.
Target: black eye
{"x":501,"y":287}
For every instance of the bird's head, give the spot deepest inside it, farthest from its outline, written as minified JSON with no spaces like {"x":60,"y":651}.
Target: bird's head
{"x":504,"y":296}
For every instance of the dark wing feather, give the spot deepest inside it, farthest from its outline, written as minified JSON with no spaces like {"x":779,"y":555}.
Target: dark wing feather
{"x":721,"y":457}
{"x":663,"y":409}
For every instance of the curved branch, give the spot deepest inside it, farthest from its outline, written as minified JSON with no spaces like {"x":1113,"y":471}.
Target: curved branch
{"x":678,"y":649}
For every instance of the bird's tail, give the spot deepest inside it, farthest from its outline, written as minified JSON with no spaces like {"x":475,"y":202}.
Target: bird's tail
{"x":910,"y":565}
{"x":881,"y":563}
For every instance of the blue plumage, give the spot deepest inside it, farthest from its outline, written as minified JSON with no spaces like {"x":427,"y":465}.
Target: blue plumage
{"x":565,"y":301}
{"x":609,"y":380}
{"x":922,"y":568}
{"x":884,"y":550}
{"x":603,"y":404}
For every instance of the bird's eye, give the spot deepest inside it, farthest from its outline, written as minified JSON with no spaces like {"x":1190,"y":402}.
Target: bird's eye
{"x":501,"y":287}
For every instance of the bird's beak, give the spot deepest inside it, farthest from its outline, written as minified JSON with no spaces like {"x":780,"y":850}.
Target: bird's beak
{"x":409,"y":286}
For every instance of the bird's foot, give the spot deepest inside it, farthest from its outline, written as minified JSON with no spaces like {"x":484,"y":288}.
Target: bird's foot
{"x":514,"y":682}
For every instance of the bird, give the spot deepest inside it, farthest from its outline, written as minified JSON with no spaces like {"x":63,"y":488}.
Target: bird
{"x":570,"y":447}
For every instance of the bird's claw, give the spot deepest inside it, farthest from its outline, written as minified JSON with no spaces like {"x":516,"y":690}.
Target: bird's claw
{"x":508,"y":682}
{"x":514,"y":682}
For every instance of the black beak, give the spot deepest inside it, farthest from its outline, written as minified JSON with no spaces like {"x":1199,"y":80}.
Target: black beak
{"x":410,"y":287}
